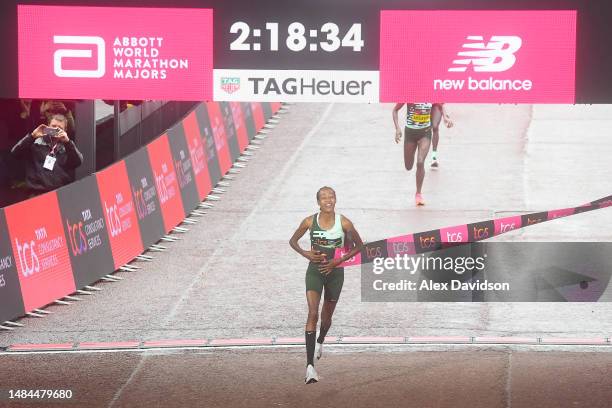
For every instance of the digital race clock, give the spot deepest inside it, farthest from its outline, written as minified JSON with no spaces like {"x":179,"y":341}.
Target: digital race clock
{"x":296,"y":37}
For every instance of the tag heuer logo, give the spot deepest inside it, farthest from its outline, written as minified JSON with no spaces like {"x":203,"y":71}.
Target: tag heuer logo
{"x":230,"y":85}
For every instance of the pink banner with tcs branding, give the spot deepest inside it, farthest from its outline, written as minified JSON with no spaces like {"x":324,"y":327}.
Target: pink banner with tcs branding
{"x":502,"y":56}
{"x":40,"y":249}
{"x":115,"y":53}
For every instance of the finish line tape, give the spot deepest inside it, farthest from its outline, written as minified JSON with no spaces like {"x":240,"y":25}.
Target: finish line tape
{"x":428,"y":241}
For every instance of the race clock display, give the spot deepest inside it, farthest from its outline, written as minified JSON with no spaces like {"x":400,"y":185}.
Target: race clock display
{"x":297,"y":37}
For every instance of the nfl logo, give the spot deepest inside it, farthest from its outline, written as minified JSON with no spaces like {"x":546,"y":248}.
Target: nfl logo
{"x":230,"y":85}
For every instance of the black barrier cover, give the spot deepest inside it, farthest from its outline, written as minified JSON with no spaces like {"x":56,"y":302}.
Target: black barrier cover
{"x":11,"y":304}
{"x":267,"y":110}
{"x":209,"y":142}
{"x":144,"y":194}
{"x":584,"y":208}
{"x":603,"y":200}
{"x":230,"y":129}
{"x":183,"y":167}
{"x":85,"y":228}
{"x":249,"y":122}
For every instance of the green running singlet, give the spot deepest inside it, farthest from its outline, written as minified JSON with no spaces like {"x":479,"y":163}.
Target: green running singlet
{"x":326,"y":241}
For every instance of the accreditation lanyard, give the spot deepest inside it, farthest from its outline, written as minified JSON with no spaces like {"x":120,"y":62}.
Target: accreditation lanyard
{"x":49,"y":163}
{"x":52,"y":152}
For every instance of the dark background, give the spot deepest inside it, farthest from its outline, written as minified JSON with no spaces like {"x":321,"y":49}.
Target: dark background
{"x":594,"y":58}
{"x":94,"y":263}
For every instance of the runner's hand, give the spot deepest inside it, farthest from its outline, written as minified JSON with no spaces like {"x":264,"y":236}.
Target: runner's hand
{"x":315,"y":256}
{"x":327,"y":267}
{"x":398,"y":136}
{"x":448,"y":122}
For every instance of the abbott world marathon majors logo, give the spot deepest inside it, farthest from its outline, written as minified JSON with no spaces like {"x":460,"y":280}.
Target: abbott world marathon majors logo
{"x":498,"y":54}
{"x":132,"y":57}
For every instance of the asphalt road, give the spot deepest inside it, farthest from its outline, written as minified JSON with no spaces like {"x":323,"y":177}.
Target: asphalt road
{"x":349,"y":377}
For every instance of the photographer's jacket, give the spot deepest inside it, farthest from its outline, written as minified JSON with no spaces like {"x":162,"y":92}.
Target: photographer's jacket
{"x":35,"y":151}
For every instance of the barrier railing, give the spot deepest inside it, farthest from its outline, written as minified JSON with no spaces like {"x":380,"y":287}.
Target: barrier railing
{"x":56,"y":244}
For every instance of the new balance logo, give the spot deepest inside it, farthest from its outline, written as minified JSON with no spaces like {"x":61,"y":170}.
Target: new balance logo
{"x":495,"y":56}
{"x":78,"y":53}
{"x":318,"y":234}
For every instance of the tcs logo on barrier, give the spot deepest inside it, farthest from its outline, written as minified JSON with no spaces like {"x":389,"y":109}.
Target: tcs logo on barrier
{"x":76,"y":234}
{"x":78,"y":240}
{"x":481,"y":233}
{"x":427,"y":242}
{"x":26,"y":253}
{"x":373,"y":252}
{"x":454,"y":237}
{"x":160,"y":182}
{"x":112,"y":216}
{"x":62,"y":53}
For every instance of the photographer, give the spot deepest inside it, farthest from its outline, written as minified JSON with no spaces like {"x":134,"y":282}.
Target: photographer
{"x":51,"y":156}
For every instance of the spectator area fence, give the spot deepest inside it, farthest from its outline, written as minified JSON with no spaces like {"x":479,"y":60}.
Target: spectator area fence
{"x":56,"y":244}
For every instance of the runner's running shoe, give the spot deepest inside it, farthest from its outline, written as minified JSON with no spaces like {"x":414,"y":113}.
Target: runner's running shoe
{"x":418,"y":199}
{"x":311,"y":375}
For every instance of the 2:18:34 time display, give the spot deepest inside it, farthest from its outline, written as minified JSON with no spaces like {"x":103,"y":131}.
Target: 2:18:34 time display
{"x":329,"y":37}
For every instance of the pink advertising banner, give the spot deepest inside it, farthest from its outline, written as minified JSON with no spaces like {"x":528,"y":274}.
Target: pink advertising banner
{"x":502,"y":56}
{"x":115,"y":53}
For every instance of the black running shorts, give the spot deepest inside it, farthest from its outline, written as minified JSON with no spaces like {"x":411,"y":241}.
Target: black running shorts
{"x":414,"y":135}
